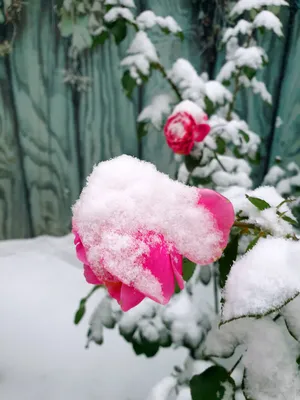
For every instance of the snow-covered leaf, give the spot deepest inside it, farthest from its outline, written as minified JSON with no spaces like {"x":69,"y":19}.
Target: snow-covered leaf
{"x":246,"y":5}
{"x":124,"y":3}
{"x":291,"y":313}
{"x":116,"y":13}
{"x":214,"y":383}
{"x":160,"y":107}
{"x":260,"y":204}
{"x":268,"y":20}
{"x":242,"y":27}
{"x":128,"y":83}
{"x":264,"y":280}
{"x":147,"y":20}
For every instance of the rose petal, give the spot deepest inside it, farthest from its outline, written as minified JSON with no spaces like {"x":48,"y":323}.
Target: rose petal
{"x":114,"y":289}
{"x":201,"y":131}
{"x":130,"y":297}
{"x":176,"y":262}
{"x":90,"y":276}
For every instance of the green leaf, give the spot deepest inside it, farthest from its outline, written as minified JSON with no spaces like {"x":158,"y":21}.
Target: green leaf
{"x":128,"y":83}
{"x":249,"y":72}
{"x":214,"y":383}
{"x":100,"y":39}
{"x":289,"y":220}
{"x":245,"y":136}
{"x":237,"y":153}
{"x":142,"y":129}
{"x":119,"y":30}
{"x":257,"y":158}
{"x":226,"y":83}
{"x":252,"y":243}
{"x":191,"y":163}
{"x":221,"y":145}
{"x":146,"y":348}
{"x":80,"y":312}
{"x":188,"y":269}
{"x":227,"y":259}
{"x":260,"y":204}
{"x":180,"y":35}
{"x":209,"y":106}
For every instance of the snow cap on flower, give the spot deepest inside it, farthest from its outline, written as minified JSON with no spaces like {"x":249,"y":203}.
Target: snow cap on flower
{"x":186,"y":125}
{"x":133,"y":224}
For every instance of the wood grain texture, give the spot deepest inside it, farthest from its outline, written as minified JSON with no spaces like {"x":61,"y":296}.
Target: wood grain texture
{"x":286,"y":141}
{"x":107,"y":119}
{"x":170,"y":48}
{"x":45,"y":120}
{"x":14,"y":218}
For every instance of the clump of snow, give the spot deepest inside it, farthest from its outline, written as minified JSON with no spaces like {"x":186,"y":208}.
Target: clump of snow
{"x":271,"y":371}
{"x":118,"y":12}
{"x":252,"y":57}
{"x":141,"y":54}
{"x":163,"y":389}
{"x":217,"y":93}
{"x":160,"y":107}
{"x":263,"y":280}
{"x":191,"y":108}
{"x":291,"y":316}
{"x":147,"y":20}
{"x":279,"y":122}
{"x":260,"y":88}
{"x":124,"y":3}
{"x":274,"y":175}
{"x":242,"y":27}
{"x":227,"y":71}
{"x":189,"y":83}
{"x":268,"y":20}
{"x":267,"y":219}
{"x":246,"y":5}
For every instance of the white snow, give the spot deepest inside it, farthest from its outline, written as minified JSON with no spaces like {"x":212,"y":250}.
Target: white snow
{"x":43,"y":354}
{"x":242,"y":27}
{"x":263,"y":280}
{"x":125,"y":3}
{"x":141,"y":54}
{"x":160,"y":107}
{"x":274,"y":175}
{"x":268,"y":20}
{"x":246,"y":5}
{"x":191,"y":108}
{"x":271,"y":371}
{"x":147,"y":20}
{"x":217,"y":93}
{"x":189,"y":83}
{"x":291,"y":314}
{"x":118,"y":12}
{"x":226,"y":72}
{"x":261,"y":89}
{"x":252,"y":57}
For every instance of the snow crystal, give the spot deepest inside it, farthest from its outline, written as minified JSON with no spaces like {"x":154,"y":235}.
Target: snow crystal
{"x":270,"y":366}
{"x":124,"y":3}
{"x":246,"y":5}
{"x":268,"y":20}
{"x":267,"y":219}
{"x":141,"y":54}
{"x":244,"y":27}
{"x":160,"y":106}
{"x":263,"y":280}
{"x":217,"y":93}
{"x":260,"y":88}
{"x":189,"y":83}
{"x":252,"y":57}
{"x":118,"y":12}
{"x":226,"y":72}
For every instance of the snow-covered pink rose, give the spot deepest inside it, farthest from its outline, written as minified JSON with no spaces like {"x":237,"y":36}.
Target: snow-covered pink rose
{"x":133,"y":225}
{"x":185,"y":126}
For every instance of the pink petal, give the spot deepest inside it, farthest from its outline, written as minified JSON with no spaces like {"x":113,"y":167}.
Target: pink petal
{"x":90,"y":276}
{"x":80,"y":250}
{"x":201,"y":131}
{"x":223,"y":213}
{"x":114,"y":289}
{"x":130,"y":297}
{"x":176,"y":262}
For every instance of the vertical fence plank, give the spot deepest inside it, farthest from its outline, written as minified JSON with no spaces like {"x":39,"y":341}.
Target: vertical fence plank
{"x":45,"y":119}
{"x":286,"y":141}
{"x":170,"y":48}
{"x":14,"y":218}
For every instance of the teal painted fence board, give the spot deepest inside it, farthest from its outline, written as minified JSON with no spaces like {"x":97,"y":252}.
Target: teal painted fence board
{"x":51,"y":135}
{"x":286,"y":141}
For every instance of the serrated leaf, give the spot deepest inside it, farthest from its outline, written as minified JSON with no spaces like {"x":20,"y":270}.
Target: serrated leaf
{"x":142,"y":129}
{"x":128,"y":83}
{"x":260,"y":204}
{"x":289,"y":220}
{"x":100,"y":39}
{"x":227,"y":259}
{"x":119,"y":30}
{"x":80,"y":312}
{"x":221,"y":145}
{"x":214,"y":383}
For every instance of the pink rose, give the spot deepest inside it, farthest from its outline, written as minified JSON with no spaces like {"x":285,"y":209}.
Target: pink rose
{"x":133,"y":225}
{"x":182,"y":131}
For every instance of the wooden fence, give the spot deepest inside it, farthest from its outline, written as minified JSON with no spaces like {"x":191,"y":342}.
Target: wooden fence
{"x":51,"y":135}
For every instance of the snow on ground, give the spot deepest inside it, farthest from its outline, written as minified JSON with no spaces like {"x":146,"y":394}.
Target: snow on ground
{"x":42,"y":354}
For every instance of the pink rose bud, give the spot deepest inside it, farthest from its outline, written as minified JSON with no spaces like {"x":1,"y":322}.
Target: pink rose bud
{"x":185,"y":127}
